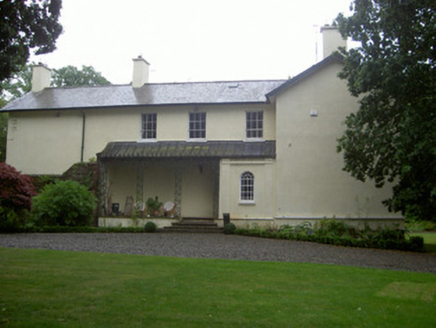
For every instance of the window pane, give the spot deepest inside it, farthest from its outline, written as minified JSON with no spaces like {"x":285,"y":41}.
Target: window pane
{"x":247,"y":186}
{"x":254,"y":124}
{"x":197,"y":125}
{"x":148,"y":126}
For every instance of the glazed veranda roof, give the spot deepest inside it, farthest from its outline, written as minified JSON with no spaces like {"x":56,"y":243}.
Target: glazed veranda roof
{"x":183,"y":149}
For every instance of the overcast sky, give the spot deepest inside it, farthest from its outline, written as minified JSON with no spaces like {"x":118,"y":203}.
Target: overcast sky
{"x":193,"y":40}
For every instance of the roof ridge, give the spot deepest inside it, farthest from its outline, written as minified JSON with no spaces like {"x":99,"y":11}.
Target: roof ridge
{"x":86,"y":86}
{"x":216,"y":81}
{"x":165,"y":83}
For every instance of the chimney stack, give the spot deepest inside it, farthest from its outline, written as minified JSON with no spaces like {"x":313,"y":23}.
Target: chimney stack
{"x":140,"y":72}
{"x":41,"y":77}
{"x":332,"y":40}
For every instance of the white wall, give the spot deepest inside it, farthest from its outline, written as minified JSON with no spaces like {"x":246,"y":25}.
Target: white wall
{"x":311,"y":182}
{"x":122,"y":183}
{"x":44,"y":142}
{"x":197,"y":191}
{"x":264,"y":187}
{"x":50,"y":142}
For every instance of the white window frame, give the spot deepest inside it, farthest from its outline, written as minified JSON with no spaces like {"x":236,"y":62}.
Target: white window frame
{"x":197,"y":126}
{"x":254,"y":124}
{"x":246,"y":188}
{"x":153,"y":126}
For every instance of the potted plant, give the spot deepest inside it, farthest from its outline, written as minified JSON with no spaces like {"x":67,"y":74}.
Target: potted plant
{"x":154,"y":206}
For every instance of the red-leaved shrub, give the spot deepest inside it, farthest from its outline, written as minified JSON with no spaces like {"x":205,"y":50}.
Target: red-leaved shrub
{"x":16,"y":192}
{"x":16,"y":189}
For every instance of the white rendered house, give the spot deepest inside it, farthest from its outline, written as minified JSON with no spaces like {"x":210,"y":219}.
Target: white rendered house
{"x":262,"y":151}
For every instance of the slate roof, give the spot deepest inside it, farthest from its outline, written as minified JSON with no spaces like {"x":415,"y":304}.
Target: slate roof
{"x":335,"y":57}
{"x":184,"y":149}
{"x":150,"y":94}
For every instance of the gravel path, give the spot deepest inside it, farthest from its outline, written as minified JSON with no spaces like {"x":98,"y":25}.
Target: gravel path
{"x":222,"y":246}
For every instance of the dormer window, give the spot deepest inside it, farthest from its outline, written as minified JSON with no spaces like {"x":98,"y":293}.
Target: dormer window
{"x":254,"y":125}
{"x":148,"y":126}
{"x":197,"y":125}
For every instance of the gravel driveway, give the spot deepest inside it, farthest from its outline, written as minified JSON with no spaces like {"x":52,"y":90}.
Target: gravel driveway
{"x":220,"y":246}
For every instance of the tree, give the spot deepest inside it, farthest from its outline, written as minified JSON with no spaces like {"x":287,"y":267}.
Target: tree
{"x":71,"y":76}
{"x":3,"y":134}
{"x":18,"y":85}
{"x":10,"y":89}
{"x":392,"y":137}
{"x":25,"y":25}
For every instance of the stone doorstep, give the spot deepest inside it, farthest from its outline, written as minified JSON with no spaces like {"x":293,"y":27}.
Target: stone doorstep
{"x":190,"y":219}
{"x":194,"y":225}
{"x":184,"y":230}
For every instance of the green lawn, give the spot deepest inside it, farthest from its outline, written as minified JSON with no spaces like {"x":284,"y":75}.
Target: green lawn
{"x":429,"y":241}
{"x":40,"y":288}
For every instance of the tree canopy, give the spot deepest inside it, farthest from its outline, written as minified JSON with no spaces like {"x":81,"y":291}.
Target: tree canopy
{"x":25,"y":25}
{"x":70,"y":76}
{"x":392,"y":137}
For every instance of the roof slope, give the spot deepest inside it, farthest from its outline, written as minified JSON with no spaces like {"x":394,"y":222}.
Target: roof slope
{"x":149,"y":94}
{"x":333,"y":58}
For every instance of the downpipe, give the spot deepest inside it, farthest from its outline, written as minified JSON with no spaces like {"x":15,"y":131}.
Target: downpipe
{"x":83,"y":136}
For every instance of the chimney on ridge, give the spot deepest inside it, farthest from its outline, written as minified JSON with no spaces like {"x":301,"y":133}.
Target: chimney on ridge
{"x":41,"y":77}
{"x":140,"y":72}
{"x":332,"y":40}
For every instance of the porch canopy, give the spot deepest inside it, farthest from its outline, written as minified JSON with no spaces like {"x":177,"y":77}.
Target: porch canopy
{"x":184,"y":149}
{"x":178,"y":155}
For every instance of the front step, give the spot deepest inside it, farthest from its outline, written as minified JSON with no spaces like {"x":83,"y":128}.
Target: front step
{"x":190,"y":230}
{"x":194,"y":225}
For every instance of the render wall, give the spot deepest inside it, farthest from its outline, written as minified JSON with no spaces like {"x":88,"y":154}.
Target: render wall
{"x":159,"y":179}
{"x":50,"y":142}
{"x":44,"y":142}
{"x":311,"y":182}
{"x":264,"y":186}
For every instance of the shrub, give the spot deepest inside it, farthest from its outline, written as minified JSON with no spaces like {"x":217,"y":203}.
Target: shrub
{"x":416,"y":244}
{"x":229,"y":229}
{"x":335,"y":232}
{"x":331,"y":227}
{"x":79,"y":229}
{"x":150,"y":227}
{"x":418,"y":226}
{"x":9,"y":220}
{"x":16,"y":191}
{"x":84,"y":173}
{"x":430,"y":226}
{"x":64,"y":203}
{"x":42,"y":180}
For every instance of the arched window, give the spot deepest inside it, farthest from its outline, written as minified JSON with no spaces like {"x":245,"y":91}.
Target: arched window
{"x":247,"y":186}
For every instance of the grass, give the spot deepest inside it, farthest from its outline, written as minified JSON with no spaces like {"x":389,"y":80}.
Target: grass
{"x":41,"y":288}
{"x":429,"y":241}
